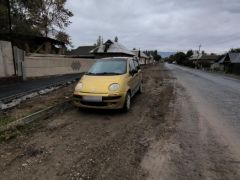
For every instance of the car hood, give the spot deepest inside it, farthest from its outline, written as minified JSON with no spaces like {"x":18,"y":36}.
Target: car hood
{"x":98,"y":84}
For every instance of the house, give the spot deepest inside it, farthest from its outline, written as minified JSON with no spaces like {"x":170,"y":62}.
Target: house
{"x":151,"y":59}
{"x":111,"y":49}
{"x":203,"y":61}
{"x":231,"y":63}
{"x":35,"y":44}
{"x":218,"y":64}
{"x":143,"y":58}
{"x":82,"y":52}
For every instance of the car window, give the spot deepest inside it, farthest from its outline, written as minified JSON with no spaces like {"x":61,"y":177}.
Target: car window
{"x":108,"y":67}
{"x":131,"y":65}
{"x":136,"y":65}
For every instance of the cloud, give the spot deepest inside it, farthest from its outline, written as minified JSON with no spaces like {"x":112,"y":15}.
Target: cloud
{"x":166,"y":25}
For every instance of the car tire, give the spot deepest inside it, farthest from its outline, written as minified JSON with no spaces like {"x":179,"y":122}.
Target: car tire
{"x":127,"y":103}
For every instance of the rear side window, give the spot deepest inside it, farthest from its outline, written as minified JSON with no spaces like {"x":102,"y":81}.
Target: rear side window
{"x":131,"y":65}
{"x":136,"y":64}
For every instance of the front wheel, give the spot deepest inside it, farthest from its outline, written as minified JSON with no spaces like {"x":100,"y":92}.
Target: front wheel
{"x":127,"y":103}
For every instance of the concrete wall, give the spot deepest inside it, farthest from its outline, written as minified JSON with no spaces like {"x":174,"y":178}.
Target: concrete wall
{"x":6,"y":59}
{"x":36,"y":65}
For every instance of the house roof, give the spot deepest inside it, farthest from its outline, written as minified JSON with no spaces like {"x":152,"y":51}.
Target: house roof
{"x":203,"y":57}
{"x":82,"y":51}
{"x":234,"y":57}
{"x":222,"y":60}
{"x":208,"y":57}
{"x":24,"y":37}
{"x":195,"y":57}
{"x":112,"y":47}
{"x":142,"y":54}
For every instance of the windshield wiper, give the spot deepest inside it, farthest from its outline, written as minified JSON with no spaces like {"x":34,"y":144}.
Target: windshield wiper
{"x":90,"y":73}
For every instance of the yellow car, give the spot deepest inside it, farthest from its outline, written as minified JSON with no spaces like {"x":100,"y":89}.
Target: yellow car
{"x":109,"y":84}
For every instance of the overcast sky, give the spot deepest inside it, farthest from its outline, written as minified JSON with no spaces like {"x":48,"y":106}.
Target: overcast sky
{"x":166,"y":25}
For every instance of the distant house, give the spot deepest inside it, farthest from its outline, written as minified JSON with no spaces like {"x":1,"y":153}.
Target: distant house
{"x":218,"y":64}
{"x":231,"y":63}
{"x":203,"y":61}
{"x":82,"y":52}
{"x":35,"y":44}
{"x":143,"y":58}
{"x":151,"y":59}
{"x":111,"y":49}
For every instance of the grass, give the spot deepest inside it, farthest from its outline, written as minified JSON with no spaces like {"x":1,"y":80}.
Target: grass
{"x":4,"y":120}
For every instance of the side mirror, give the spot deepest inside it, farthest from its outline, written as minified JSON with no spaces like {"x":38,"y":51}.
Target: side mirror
{"x":132,"y":72}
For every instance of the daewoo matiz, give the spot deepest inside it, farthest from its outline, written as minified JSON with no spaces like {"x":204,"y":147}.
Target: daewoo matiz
{"x":109,"y":84}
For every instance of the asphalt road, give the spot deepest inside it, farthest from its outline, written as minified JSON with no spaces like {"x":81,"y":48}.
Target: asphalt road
{"x":41,"y":83}
{"x":206,"y":142}
{"x":217,"y":98}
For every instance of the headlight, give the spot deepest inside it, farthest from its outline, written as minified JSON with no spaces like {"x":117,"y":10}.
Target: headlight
{"x":79,"y":87}
{"x":114,"y":87}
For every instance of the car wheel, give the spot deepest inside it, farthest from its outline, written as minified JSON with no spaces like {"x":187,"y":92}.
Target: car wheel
{"x":127,"y":104}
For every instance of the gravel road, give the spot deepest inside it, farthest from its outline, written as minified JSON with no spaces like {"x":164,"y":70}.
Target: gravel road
{"x":92,"y":144}
{"x":184,"y":126}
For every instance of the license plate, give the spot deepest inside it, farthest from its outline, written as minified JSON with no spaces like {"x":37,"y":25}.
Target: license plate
{"x":92,"y":98}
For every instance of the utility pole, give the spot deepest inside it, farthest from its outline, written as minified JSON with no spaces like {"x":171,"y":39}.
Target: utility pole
{"x":199,"y":51}
{"x":199,"y":48}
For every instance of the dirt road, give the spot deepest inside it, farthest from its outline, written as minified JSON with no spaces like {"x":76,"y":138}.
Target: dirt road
{"x":162,"y":137}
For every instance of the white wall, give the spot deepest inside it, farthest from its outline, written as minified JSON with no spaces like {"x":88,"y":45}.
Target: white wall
{"x":6,"y":59}
{"x":46,"y":65}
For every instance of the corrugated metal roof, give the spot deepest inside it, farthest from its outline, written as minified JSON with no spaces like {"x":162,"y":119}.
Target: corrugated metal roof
{"x":82,"y":51}
{"x":195,"y":57}
{"x":112,"y":47}
{"x":222,"y":60}
{"x":209,"y":57}
{"x":234,"y":57}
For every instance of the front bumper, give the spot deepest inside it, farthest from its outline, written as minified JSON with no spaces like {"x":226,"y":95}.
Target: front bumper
{"x":109,"y":101}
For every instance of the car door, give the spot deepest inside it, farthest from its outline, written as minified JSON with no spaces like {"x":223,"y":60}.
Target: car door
{"x":139,"y":73}
{"x":133,"y":82}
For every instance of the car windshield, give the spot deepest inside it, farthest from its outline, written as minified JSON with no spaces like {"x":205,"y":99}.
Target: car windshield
{"x":108,"y":67}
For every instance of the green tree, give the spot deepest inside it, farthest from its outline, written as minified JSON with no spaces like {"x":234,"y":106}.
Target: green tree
{"x":4,"y":22}
{"x":47,"y":15}
{"x":189,"y":53}
{"x":237,"y":50}
{"x":64,"y":37}
{"x":39,"y":17}
{"x":180,"y":57}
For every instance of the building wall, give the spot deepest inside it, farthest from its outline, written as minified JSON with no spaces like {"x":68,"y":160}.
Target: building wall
{"x":6,"y":60}
{"x":37,"y":65}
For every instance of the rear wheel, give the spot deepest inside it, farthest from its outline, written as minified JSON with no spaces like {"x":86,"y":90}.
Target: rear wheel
{"x":127,"y":103}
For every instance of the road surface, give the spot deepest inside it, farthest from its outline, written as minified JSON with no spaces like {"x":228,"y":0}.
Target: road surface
{"x":30,"y":85}
{"x":206,"y":144}
{"x":185,"y":125}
